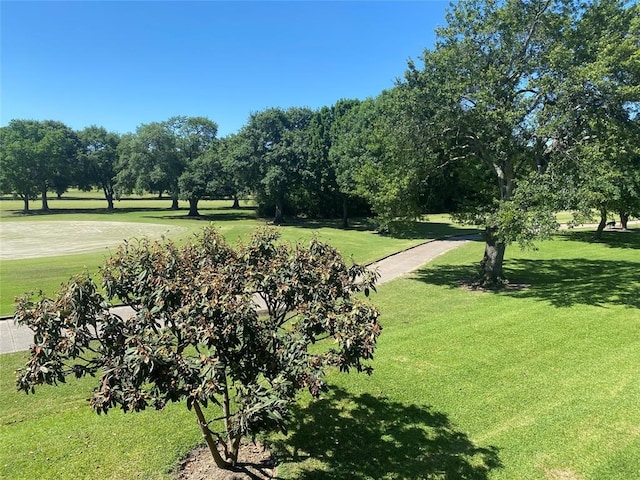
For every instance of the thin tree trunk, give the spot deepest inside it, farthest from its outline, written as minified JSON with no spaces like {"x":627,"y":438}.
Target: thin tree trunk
{"x":174,"y":202}
{"x":601,"y":225}
{"x":45,"y":201}
{"x":491,"y":271}
{"x":26,"y":203}
{"x":624,"y":220}
{"x":345,"y":212}
{"x":236,"y":202}
{"x":193,"y":207}
{"x":233,"y":440}
{"x":278,"y":217}
{"x":108,"y":195}
{"x":206,"y":433}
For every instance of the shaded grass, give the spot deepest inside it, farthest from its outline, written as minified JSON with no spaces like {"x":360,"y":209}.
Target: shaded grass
{"x":54,"y":434}
{"x":467,"y":385}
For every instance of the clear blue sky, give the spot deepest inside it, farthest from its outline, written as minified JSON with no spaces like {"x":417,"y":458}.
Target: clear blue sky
{"x":120,"y":64}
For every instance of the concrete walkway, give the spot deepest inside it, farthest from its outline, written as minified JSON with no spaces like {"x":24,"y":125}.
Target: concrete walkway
{"x":14,"y":338}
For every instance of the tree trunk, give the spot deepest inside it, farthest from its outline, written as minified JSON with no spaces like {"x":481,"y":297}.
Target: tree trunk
{"x":108,"y":195}
{"x":491,"y":273}
{"x":174,"y":202}
{"x":345,"y":212}
{"x":193,"y":207}
{"x":206,"y":433}
{"x":26,"y":203}
{"x":236,"y":202}
{"x":45,"y":201}
{"x":278,"y":217}
{"x":624,"y":220}
{"x":601,"y":225}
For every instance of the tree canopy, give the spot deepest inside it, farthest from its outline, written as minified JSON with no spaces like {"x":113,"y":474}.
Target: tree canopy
{"x":36,"y":157}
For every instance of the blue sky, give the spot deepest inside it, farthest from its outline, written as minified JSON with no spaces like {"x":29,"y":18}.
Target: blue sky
{"x":120,"y":64}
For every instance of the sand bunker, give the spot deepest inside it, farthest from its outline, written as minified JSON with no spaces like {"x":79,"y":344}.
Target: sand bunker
{"x":46,"y":239}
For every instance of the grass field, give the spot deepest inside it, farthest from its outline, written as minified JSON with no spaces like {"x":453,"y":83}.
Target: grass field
{"x":360,"y":242}
{"x":536,"y":382}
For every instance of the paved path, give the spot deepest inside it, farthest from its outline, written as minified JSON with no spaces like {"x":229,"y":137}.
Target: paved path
{"x":14,"y":338}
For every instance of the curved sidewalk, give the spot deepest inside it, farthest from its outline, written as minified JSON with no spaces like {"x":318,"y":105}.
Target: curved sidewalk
{"x":14,"y":338}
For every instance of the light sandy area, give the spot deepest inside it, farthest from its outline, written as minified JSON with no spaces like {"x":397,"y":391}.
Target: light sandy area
{"x":45,"y":239}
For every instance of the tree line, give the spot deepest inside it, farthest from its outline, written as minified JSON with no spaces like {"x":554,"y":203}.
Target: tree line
{"x":521,"y":109}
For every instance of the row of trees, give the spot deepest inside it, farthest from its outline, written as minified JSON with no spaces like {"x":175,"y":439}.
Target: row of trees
{"x":521,"y":109}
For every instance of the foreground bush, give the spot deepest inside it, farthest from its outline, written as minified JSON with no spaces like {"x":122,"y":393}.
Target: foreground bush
{"x":197,"y":334}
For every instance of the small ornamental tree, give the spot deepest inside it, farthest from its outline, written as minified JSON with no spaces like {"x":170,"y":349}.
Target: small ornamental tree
{"x":212,"y":324}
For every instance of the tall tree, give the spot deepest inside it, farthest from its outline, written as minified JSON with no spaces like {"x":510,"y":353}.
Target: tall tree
{"x":17,"y":162}
{"x":475,"y":101}
{"x":37,"y":156}
{"x":99,"y":156}
{"x":148,"y":161}
{"x":203,"y":176}
{"x":157,"y":155}
{"x":593,"y":118}
{"x":277,"y":144}
{"x":233,"y":153}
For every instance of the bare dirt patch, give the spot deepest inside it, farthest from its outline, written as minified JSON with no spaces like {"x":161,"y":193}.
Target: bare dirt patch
{"x":19,"y":240}
{"x":562,"y":474}
{"x":255,"y":462}
{"x":474,"y":286}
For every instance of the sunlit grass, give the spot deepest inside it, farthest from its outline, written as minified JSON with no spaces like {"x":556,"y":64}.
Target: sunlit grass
{"x":536,"y":382}
{"x":361,"y":242}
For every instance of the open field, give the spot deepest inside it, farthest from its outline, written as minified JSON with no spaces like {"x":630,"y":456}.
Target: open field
{"x":536,"y":382}
{"x":77,"y":216}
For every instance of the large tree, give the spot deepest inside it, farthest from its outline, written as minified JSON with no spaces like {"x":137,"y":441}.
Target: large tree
{"x":148,"y":162}
{"x":204,"y":176}
{"x":37,"y":156}
{"x":475,"y":100}
{"x":276,"y":154}
{"x":154,"y":158}
{"x":592,"y":117}
{"x":98,"y":156}
{"x":197,"y":336}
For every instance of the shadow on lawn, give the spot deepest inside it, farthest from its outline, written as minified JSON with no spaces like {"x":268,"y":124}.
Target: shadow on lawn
{"x":610,"y":238}
{"x":560,"y":282}
{"x":367,"y":437}
{"x":408,"y":231}
{"x":92,"y":211}
{"x":220,"y":215}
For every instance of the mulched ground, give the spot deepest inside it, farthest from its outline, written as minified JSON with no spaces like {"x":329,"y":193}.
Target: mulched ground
{"x":255,"y":461}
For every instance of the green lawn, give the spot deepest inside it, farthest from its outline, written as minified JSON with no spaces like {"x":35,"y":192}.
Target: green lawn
{"x":360,"y":242}
{"x":537,"y":382}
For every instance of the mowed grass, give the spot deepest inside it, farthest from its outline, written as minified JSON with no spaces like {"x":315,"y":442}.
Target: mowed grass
{"x":536,"y":382}
{"x":360,"y":242}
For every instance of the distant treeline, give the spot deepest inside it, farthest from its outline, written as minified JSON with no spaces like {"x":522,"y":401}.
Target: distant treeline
{"x":521,"y":109}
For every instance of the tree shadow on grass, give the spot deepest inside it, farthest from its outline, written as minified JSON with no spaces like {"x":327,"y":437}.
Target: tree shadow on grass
{"x":91,"y":211}
{"x":408,"y":231}
{"x":219,"y":216}
{"x":361,"y":437}
{"x":566,"y":282}
{"x":560,"y":282}
{"x":610,"y":238}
